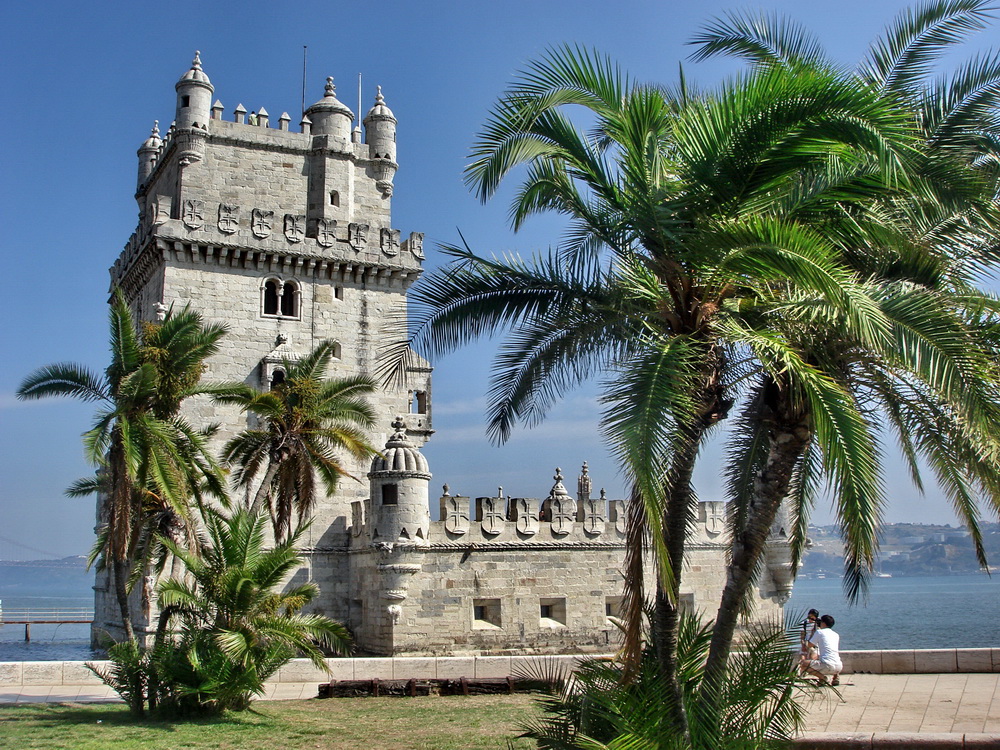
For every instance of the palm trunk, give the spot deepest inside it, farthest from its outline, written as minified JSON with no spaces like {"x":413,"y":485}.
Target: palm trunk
{"x":119,"y":572}
{"x":675,"y":523}
{"x":788,"y":438}
{"x":264,"y":489}
{"x":120,"y":534}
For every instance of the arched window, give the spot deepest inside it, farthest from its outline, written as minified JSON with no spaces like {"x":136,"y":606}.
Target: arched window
{"x":290,"y":300}
{"x":334,"y":198}
{"x":280,"y":298}
{"x":271,"y":297}
{"x":277,"y":378}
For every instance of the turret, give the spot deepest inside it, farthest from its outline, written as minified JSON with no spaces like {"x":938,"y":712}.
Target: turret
{"x":148,"y":153}
{"x":330,"y":116}
{"x":380,"y":130}
{"x":380,"y":135}
{"x":194,"y":97}
{"x":399,"y":478}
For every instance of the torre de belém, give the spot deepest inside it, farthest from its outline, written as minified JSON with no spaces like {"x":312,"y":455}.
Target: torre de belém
{"x":287,"y":237}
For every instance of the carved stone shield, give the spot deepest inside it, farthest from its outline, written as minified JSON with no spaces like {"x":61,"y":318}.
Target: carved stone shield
{"x":456,"y":517}
{"x":563,"y":509}
{"x":193,"y":215}
{"x":593,"y":517}
{"x":491,"y":514}
{"x":326,"y":233}
{"x":295,"y":227}
{"x":162,"y":206}
{"x":229,"y":218}
{"x":715,"y":518}
{"x":620,"y":511}
{"x":261,"y":223}
{"x":390,"y":241}
{"x":357,"y":518}
{"x":416,"y":244}
{"x":526,"y":515}
{"x":357,"y":236}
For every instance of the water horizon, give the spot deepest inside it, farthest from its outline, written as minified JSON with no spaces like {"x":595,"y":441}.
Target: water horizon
{"x":917,"y":612}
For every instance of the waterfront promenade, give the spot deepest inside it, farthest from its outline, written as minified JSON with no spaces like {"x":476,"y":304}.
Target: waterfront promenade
{"x":868,"y":703}
{"x":943,"y":710}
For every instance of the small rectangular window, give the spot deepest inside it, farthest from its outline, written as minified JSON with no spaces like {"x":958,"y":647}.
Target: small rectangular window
{"x":552,"y":613}
{"x":390,"y":494}
{"x":613,"y":606}
{"x":486,"y":614}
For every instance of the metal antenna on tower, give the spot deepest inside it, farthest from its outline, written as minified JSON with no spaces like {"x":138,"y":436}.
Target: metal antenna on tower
{"x":304,"y":49}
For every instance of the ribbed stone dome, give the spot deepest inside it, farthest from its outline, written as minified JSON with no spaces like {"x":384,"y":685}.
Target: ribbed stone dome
{"x":380,"y":111}
{"x":153,"y":142}
{"x":330,"y":103}
{"x":196,"y":74}
{"x":400,"y":454}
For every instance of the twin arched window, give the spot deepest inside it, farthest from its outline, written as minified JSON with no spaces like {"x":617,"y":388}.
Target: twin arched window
{"x":280,"y":299}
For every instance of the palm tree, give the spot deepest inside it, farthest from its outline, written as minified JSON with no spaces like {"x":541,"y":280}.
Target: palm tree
{"x":236,"y":625}
{"x":596,"y":709}
{"x":305,"y":420}
{"x":150,"y":461}
{"x":935,"y":384}
{"x":682,"y":214}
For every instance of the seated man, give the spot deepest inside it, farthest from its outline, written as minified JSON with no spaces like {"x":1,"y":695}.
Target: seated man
{"x":827,"y":644}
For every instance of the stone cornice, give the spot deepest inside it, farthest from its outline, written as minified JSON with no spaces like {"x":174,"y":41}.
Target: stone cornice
{"x":166,"y":249}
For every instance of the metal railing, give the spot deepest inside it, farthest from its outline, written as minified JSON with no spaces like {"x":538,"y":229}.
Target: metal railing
{"x":29,"y":617}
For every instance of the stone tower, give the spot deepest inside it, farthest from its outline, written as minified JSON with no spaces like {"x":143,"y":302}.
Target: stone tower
{"x":287,"y":238}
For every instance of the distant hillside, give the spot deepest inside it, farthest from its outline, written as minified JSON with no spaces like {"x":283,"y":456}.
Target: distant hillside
{"x":66,"y":577}
{"x":908,"y":549}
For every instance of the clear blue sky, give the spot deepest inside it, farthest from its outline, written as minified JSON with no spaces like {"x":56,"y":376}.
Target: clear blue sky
{"x":83,"y":83}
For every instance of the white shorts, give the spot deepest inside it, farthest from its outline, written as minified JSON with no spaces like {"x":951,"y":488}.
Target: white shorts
{"x":825,"y":667}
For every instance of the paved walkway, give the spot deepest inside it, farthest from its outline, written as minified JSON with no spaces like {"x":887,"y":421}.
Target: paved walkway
{"x":924,"y":703}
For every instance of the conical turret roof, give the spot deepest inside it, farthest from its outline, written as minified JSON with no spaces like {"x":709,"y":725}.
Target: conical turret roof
{"x":380,"y":111}
{"x":400,"y":454}
{"x":195,"y":74}
{"x":330,"y":102}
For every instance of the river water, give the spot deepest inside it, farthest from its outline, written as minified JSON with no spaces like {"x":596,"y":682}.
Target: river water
{"x":919,"y":612}
{"x":925,"y":612}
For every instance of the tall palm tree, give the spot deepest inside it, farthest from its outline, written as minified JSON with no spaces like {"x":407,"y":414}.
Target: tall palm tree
{"x":678,"y":206}
{"x":935,"y":385}
{"x":305,"y":421}
{"x":150,"y":461}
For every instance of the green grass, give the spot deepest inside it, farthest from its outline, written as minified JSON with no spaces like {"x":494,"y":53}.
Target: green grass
{"x":434,"y":723}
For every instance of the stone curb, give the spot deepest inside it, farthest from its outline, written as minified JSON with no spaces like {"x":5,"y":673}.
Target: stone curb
{"x":898,"y":740}
{"x":919,"y":661}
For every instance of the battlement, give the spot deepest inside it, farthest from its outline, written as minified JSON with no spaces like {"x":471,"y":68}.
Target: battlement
{"x":246,"y":193}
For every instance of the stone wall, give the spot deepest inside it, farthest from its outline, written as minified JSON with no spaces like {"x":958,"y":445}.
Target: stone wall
{"x":938,"y":661}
